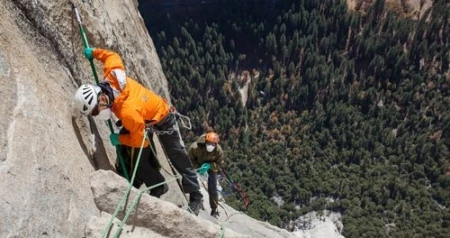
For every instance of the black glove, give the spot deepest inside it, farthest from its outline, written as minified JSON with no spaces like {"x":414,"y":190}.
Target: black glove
{"x":123,"y":131}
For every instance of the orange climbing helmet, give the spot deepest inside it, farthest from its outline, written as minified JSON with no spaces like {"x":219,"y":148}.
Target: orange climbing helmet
{"x":212,"y":137}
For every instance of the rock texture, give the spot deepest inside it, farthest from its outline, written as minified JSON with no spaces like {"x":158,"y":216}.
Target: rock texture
{"x":160,"y":216}
{"x":48,"y":153}
{"x":239,"y":221}
{"x":42,"y":166}
{"x":96,"y":227}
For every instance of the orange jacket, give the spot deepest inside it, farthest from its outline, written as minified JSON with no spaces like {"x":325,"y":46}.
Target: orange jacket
{"x":135,"y":104}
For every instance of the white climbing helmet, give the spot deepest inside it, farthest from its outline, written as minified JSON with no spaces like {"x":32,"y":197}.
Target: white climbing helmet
{"x":86,"y":98}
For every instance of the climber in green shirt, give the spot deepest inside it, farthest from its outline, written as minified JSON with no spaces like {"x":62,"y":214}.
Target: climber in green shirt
{"x":206,"y":149}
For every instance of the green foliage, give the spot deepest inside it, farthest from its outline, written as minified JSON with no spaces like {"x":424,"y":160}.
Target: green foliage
{"x":349,"y":112}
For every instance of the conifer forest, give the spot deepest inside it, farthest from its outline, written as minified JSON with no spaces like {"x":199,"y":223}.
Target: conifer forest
{"x":319,"y":106}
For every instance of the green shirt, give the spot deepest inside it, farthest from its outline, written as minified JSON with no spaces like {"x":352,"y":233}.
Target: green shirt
{"x":199,"y":155}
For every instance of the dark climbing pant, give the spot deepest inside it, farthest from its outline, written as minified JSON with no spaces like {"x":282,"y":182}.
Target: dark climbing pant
{"x":212,"y":190}
{"x":147,"y":171}
{"x":170,"y":139}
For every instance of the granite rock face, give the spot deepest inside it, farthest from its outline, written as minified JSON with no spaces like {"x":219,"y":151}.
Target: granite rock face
{"x":160,"y":216}
{"x":47,"y":152}
{"x":57,"y":167}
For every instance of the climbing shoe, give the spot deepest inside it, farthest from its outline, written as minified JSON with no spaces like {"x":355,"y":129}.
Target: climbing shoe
{"x":159,"y":191}
{"x":214,"y":213}
{"x":195,"y":202}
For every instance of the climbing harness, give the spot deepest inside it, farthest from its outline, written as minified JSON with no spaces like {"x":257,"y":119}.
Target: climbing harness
{"x":185,"y":122}
{"x":182,"y":118}
{"x":153,"y":129}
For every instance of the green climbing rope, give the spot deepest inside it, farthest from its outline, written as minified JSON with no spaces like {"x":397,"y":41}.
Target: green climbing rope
{"x":91,"y":62}
{"x":127,"y":193}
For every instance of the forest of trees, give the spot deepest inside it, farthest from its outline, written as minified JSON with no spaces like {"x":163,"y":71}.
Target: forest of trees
{"x":349,"y":112}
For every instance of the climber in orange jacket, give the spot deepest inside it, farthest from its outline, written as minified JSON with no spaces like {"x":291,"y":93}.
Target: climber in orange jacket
{"x":138,"y":108}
